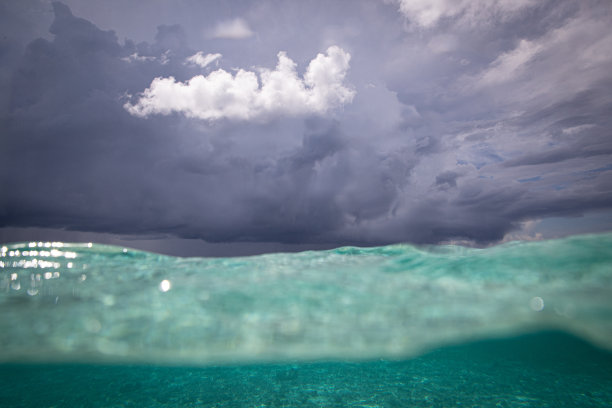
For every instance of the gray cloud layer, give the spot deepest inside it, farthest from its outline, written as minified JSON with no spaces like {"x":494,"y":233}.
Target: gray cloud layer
{"x":462,"y":125}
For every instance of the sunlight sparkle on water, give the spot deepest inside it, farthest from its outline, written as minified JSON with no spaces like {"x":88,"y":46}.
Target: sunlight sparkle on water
{"x":165,"y":285}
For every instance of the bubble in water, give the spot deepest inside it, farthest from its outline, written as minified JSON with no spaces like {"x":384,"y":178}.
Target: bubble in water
{"x":536,"y":304}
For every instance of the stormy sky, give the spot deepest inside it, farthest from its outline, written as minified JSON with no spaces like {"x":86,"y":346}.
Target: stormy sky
{"x":252,"y":126}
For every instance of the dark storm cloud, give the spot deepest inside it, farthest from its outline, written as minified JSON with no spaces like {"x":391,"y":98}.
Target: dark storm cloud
{"x":459,"y":128}
{"x":447,"y":179}
{"x":579,"y":127}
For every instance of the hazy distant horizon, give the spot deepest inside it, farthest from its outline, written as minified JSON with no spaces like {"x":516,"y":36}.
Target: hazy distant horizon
{"x":228,"y":128}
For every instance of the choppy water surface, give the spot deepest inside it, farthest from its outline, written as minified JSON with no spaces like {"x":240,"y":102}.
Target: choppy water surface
{"x":95,"y":325}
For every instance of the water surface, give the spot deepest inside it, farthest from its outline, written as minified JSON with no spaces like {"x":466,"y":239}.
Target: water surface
{"x":520,"y":324}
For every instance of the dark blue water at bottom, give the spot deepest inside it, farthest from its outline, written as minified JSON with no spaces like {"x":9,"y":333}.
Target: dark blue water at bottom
{"x":545,"y":369}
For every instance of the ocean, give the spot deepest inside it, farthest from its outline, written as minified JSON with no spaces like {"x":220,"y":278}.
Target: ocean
{"x":523,"y":324}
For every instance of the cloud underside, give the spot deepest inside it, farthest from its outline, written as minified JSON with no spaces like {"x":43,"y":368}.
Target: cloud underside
{"x":223,"y":95}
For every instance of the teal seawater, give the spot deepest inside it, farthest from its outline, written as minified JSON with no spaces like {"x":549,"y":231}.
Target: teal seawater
{"x":525,"y":324}
{"x":91,"y":303}
{"x":548,"y":369}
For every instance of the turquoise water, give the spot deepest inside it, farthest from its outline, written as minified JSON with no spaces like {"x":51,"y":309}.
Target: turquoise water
{"x":520,"y":324}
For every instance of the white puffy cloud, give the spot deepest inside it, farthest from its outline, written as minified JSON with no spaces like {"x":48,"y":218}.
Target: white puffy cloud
{"x":245,"y":95}
{"x":235,"y":29}
{"x":427,"y":13}
{"x":202,"y":60}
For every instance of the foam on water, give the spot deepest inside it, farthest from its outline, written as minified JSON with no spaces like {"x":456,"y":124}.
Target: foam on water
{"x":95,"y":303}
